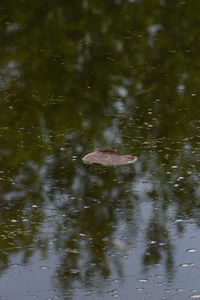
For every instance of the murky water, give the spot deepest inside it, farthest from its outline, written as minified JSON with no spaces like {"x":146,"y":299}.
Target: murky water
{"x":80,"y":76}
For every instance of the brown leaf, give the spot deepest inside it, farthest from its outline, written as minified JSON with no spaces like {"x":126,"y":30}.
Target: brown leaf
{"x":108,"y":158}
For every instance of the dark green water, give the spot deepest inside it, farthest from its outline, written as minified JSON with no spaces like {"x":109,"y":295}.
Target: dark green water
{"x":78,"y":76}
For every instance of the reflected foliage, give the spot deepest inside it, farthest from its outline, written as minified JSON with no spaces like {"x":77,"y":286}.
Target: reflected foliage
{"x":77,"y":76}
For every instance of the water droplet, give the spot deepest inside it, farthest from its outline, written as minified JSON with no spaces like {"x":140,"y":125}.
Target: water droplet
{"x":179,"y":221}
{"x":174,"y":167}
{"x":192,"y":250}
{"x":185,"y":265}
{"x":82,"y":234}
{"x":159,"y":276}
{"x":140,"y":289}
{"x":153,"y":242}
{"x":75,"y":271}
{"x":142,"y":280}
{"x":34,"y":206}
{"x":195,"y":296}
{"x":86,"y":206}
{"x":50,"y":242}
{"x":74,"y":251}
{"x":44,"y":267}
{"x":14,"y":221}
{"x":162,"y":244}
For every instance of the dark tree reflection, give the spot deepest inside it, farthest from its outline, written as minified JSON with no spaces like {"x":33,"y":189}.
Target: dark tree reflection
{"x":82,"y":75}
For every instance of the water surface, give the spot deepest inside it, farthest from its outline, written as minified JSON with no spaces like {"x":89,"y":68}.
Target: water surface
{"x":79,"y":76}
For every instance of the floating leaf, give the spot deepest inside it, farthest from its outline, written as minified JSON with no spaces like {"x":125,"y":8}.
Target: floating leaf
{"x":108,"y":158}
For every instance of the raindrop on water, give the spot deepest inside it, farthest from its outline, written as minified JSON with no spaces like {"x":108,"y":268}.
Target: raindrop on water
{"x":192,"y":250}
{"x":44,"y":267}
{"x":185,"y":265}
{"x":179,"y":221}
{"x":153,"y":242}
{"x":143,"y":280}
{"x":140,"y":289}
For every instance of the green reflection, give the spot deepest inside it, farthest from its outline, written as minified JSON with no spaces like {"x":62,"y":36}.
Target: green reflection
{"x":82,"y":75}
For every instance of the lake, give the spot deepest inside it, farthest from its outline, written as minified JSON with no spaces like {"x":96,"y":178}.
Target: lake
{"x":82,"y":76}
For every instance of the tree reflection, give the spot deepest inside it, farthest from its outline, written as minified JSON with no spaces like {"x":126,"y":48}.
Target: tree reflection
{"x":98,"y":205}
{"x":81,"y":75}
